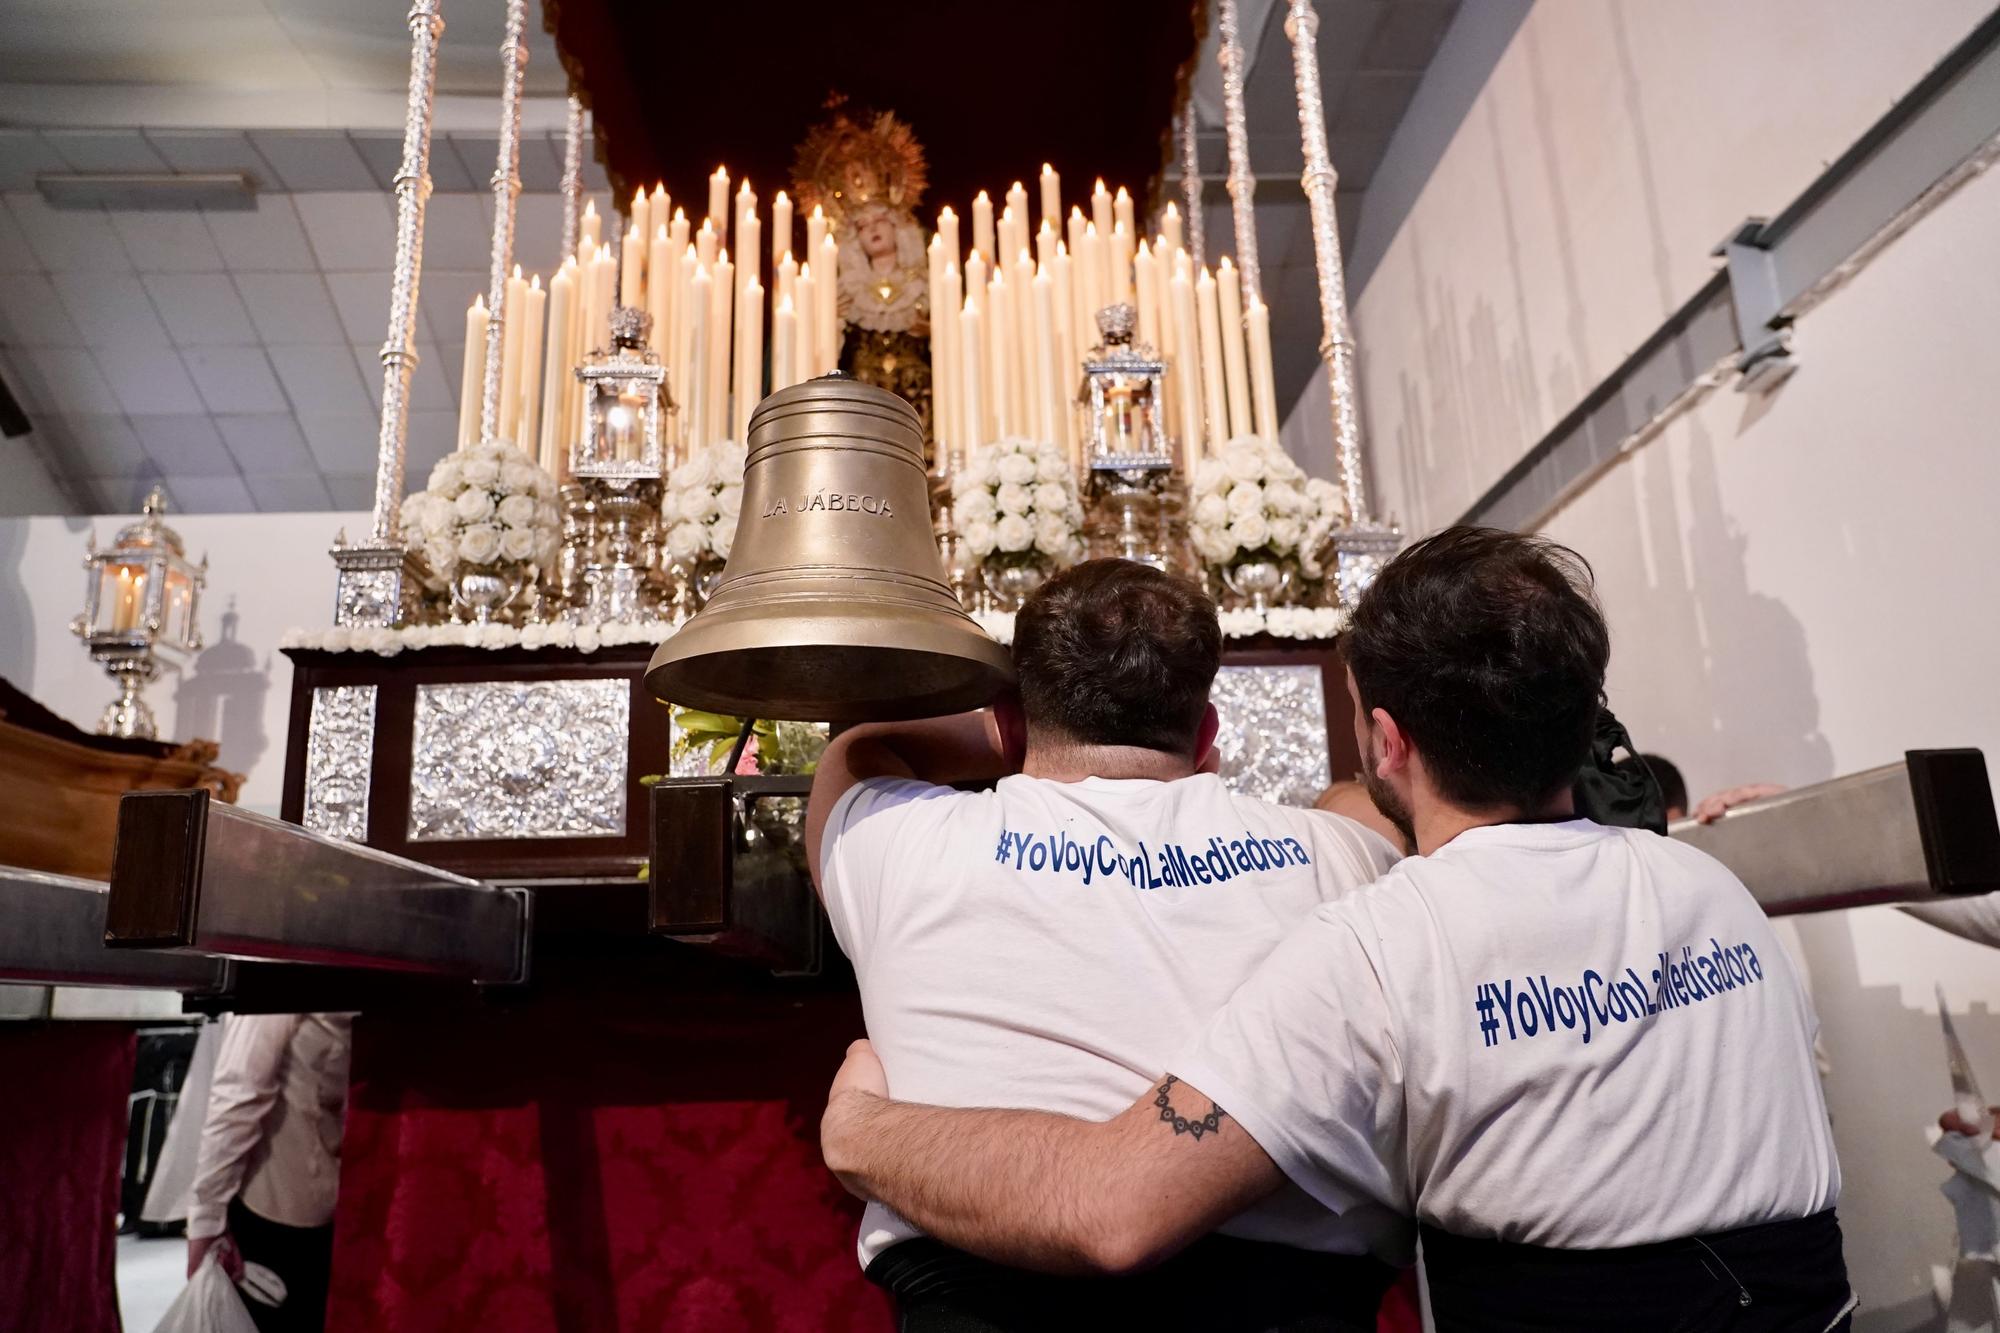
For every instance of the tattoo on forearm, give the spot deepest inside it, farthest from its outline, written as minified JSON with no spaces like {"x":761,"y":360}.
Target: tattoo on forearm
{"x":1208,"y":1124}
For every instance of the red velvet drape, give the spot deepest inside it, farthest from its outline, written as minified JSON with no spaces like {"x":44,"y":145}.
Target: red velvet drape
{"x":62,"y":1147}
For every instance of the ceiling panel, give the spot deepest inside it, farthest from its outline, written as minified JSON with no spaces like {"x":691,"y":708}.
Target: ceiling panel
{"x":313,"y":159}
{"x":104,"y":150}
{"x":321,"y":381}
{"x":289,"y":309}
{"x":212,"y":150}
{"x":289,"y":492}
{"x":267,"y":237}
{"x":67,"y":240}
{"x":268,"y":444}
{"x":350,"y":230}
{"x":223,"y":493}
{"x":110,"y":309}
{"x":235,"y":379}
{"x":184,"y":445}
{"x":164,"y":242}
{"x":24,"y":155}
{"x":200,"y":309}
{"x":107,"y":445}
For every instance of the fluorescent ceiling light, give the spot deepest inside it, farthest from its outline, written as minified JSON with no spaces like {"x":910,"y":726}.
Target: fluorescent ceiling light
{"x":127,"y":190}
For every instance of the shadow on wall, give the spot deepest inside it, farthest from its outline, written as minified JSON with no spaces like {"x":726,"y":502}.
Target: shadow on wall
{"x":222,"y":699}
{"x":17,"y":613}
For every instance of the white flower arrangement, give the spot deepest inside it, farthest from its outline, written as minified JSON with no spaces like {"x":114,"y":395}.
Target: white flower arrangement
{"x":1015,"y":499}
{"x":1280,"y":622}
{"x":484,"y":505}
{"x":1251,"y":499}
{"x":701,"y":502}
{"x":389,"y":642}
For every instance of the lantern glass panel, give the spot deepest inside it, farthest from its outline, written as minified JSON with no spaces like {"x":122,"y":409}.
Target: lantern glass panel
{"x":177,"y":615}
{"x":121,"y":597}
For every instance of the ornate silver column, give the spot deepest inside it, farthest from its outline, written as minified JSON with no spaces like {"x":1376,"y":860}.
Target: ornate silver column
{"x":378,"y":580}
{"x":572,"y":178}
{"x":1241,"y":184}
{"x":1361,"y":545}
{"x":1191,"y":185}
{"x":506,"y":189}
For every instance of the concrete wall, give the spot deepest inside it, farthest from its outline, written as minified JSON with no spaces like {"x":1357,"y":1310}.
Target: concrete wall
{"x":267,"y":573}
{"x":1800,"y":585}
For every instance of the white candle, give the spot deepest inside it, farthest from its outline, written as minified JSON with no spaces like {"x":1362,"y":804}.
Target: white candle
{"x":656,"y":209}
{"x":784,"y":345}
{"x":781,"y":228}
{"x":827,"y":275}
{"x":971,"y":341}
{"x":816,"y":230}
{"x":718,"y":200}
{"x":949,"y":417}
{"x":1186,"y":369}
{"x":680,"y":369}
{"x":1229,"y":296}
{"x":641,"y":217}
{"x":805,"y":312}
{"x":1100,"y":209}
{"x":982,"y":227}
{"x":1066,"y":356}
{"x":1170,"y":226}
{"x":1263,"y":389}
{"x":660,"y":290}
{"x":528,"y":395}
{"x":632,"y":268}
{"x":1145,"y":275}
{"x":749,"y":252}
{"x":1214,"y":398}
{"x":1090,"y":273}
{"x":1000,"y":377}
{"x":701,"y":311}
{"x":1017,"y":200}
{"x":591,"y":228}
{"x":1047,"y":395}
{"x":1045,"y":244}
{"x":707,"y":243}
{"x":947,"y":231}
{"x":939,"y":345}
{"x":1051,"y":196}
{"x":472,"y":375}
{"x":513,"y":321}
{"x":677,"y":233}
{"x":554,"y":453}
{"x":1119,"y":261}
{"x":1121,"y":211}
{"x":749,"y":356}
{"x":723,"y":293}
{"x":1022,"y":354}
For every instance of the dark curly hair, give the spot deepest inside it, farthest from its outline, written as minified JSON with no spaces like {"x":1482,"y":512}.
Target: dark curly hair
{"x":1488,"y":649}
{"x":1112,"y":652}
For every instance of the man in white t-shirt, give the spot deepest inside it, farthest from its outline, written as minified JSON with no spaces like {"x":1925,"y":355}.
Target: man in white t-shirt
{"x":1051,"y":942}
{"x":1576,"y":1054}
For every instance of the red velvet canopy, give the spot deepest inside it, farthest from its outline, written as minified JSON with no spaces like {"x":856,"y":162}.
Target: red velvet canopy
{"x":992,"y":91}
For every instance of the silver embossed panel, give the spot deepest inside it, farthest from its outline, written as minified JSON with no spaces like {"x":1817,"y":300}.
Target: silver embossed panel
{"x":340,"y":749}
{"x":508,"y":759}
{"x":1273,"y":736}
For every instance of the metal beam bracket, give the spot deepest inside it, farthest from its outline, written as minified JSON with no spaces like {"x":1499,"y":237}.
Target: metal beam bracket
{"x":1754,"y":292}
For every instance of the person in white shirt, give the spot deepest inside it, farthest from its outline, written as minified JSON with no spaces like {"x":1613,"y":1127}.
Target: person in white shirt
{"x":269,"y":1163}
{"x":1576,"y":1054}
{"x":1050,"y":942}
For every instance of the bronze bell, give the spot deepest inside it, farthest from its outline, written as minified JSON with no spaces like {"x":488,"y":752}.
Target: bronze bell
{"x":833,"y":606}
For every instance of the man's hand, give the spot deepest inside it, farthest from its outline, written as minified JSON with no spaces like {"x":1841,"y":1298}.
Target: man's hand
{"x":226,"y":1254}
{"x":1721,"y":803}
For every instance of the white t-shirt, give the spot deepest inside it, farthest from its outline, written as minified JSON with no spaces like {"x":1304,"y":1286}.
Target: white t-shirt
{"x":1048,"y":945}
{"x":1558,"y":1034}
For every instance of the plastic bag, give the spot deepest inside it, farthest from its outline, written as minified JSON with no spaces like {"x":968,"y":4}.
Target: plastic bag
{"x":208,"y":1304}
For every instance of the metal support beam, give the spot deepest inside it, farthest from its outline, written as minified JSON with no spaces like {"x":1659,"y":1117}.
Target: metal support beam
{"x":1918,"y":831}
{"x":191,"y":873}
{"x":54,"y":936}
{"x":1943,"y":133}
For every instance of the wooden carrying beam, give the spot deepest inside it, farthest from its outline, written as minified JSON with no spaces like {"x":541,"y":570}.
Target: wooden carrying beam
{"x":728,"y":870}
{"x":190,"y":873}
{"x":55,"y":937}
{"x":1922,"y":830}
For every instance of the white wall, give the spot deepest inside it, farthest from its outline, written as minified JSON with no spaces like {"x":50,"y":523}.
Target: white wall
{"x":1798,"y":586}
{"x":267,"y":573}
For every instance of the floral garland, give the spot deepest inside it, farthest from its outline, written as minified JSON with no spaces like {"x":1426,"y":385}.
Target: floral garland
{"x":1016,"y":498}
{"x":702,"y":499}
{"x":385,"y":642}
{"x":1252,"y":500}
{"x":1280,"y":622}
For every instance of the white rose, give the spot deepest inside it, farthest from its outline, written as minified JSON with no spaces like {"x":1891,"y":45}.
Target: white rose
{"x":693,"y":472}
{"x":976,"y":506}
{"x":1012,"y":533}
{"x":1323,"y":494}
{"x":518,"y":511}
{"x":685,"y":541}
{"x":1250,"y":531}
{"x":1245,"y":498}
{"x":721,"y":537}
{"x":587,"y":639}
{"x":1283,"y":468}
{"x":729,"y":502}
{"x":979,"y":538}
{"x":446,"y":477}
{"x":672,"y":510}
{"x":547,"y":515}
{"x":702,"y":505}
{"x":518,"y":478}
{"x":473,"y":506}
{"x":337,"y":640}
{"x":436,"y":517}
{"x":1210,"y":477}
{"x":441,"y":554}
{"x":1281,"y":497}
{"x":1211,"y":542}
{"x":479,"y":543}
{"x":518,"y":543}
{"x":1017,"y":468}
{"x":1050,"y":465}
{"x":1013,"y":498}
{"x":480,"y":471}
{"x":1052,"y":535}
{"x":1051,"y":498}
{"x":1285,"y":533}
{"x":730,"y":458}
{"x":1211,"y":510}
{"x":1243,"y":460}
{"x":982,"y":468}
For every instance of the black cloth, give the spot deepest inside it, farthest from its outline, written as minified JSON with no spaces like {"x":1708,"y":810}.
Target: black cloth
{"x":301,"y":1256}
{"x":1220,"y":1284}
{"x":1614,"y":796}
{"x":1777,"y":1277}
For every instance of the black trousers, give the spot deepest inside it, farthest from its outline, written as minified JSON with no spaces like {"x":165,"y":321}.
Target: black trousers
{"x":1218,"y":1285}
{"x":301,"y":1256}
{"x":1777,"y":1277}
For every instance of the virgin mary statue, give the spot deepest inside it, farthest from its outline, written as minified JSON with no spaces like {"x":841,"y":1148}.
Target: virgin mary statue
{"x":866,"y":169}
